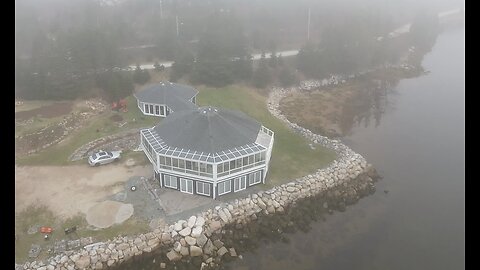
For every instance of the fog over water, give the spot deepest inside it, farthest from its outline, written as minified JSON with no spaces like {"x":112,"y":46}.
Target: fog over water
{"x":418,"y":148}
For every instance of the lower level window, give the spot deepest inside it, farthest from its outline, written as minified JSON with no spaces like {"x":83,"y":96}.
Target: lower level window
{"x":224,"y":187}
{"x":170,"y":181}
{"x":254,"y":178}
{"x":186,"y":185}
{"x":239,"y":183}
{"x":203,"y":188}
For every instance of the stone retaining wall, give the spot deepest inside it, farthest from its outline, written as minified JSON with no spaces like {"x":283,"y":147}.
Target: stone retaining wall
{"x":197,"y":237}
{"x":129,"y":139}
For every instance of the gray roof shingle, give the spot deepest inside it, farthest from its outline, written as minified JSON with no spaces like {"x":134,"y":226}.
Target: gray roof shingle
{"x":175,"y":96}
{"x":208,"y":129}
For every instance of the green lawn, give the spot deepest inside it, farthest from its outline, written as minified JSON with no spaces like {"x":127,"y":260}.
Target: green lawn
{"x":291,"y":156}
{"x":97,"y":127}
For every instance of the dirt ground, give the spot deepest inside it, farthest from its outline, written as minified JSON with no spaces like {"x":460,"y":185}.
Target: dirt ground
{"x":70,"y":190}
{"x":53,"y":110}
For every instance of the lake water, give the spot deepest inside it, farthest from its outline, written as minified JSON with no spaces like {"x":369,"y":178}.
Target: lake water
{"x":419,"y":149}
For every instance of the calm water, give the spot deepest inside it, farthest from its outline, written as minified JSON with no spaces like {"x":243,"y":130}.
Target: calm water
{"x":419,"y":149}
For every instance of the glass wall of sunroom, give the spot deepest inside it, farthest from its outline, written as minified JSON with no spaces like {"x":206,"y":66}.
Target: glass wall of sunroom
{"x":203,"y":169}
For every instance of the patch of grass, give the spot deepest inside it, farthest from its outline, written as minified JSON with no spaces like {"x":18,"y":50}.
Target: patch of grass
{"x":33,"y":215}
{"x":291,"y":155}
{"x":37,"y":124}
{"x":131,"y":226}
{"x":42,"y":216}
{"x":96,"y":127}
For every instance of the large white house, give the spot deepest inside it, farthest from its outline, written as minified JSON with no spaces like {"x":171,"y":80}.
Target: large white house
{"x":208,"y":151}
{"x":165,"y":97}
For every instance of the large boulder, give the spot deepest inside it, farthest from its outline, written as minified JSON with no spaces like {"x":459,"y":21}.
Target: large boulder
{"x":172,"y":255}
{"x":191,"y":221}
{"x":209,"y":247}
{"x":186,"y":231}
{"x":190,"y":240}
{"x":201,"y":240}
{"x":215,"y":225}
{"x":197,"y":231}
{"x":195,"y":251}
{"x":82,"y":262}
{"x":222,"y":251}
{"x":200,"y":221}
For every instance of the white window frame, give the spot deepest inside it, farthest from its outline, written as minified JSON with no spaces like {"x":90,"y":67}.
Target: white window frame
{"x":224,"y":184}
{"x":239,"y":179}
{"x":170,"y":178}
{"x":184,"y":185}
{"x":253,"y":176}
{"x":203,"y":184}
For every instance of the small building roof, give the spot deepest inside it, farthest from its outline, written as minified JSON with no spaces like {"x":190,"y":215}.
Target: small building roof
{"x":175,"y":96}
{"x":208,"y":130}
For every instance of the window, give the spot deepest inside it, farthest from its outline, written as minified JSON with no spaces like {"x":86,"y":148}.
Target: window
{"x":226,"y":166}
{"x":239,"y":183}
{"x":194,"y":166}
{"x":257,"y":157}
{"x":254,"y":178}
{"x":157,"y":109}
{"x":188,"y":165}
{"x":209,"y":168}
{"x":162,"y":160}
{"x":232,"y":164}
{"x":175,"y":162}
{"x":170,"y":181}
{"x":151,"y":109}
{"x":203,"y":167}
{"x":181,"y":164}
{"x":168,"y":161}
{"x":146,"y":108}
{"x":250,"y":159}
{"x":245,"y":161}
{"x":186,"y":185}
{"x":224,"y":187}
{"x":162,"y":110}
{"x":239,"y":163}
{"x":203,"y":188}
{"x":220,"y":168}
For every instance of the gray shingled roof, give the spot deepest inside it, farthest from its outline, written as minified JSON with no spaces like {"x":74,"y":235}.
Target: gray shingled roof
{"x":208,"y":130}
{"x":175,"y":96}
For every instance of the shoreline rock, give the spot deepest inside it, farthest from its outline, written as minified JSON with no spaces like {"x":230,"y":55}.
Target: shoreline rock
{"x":347,"y":178}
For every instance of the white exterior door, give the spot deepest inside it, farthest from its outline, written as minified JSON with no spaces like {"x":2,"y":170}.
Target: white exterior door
{"x":186,"y":185}
{"x":239,"y":183}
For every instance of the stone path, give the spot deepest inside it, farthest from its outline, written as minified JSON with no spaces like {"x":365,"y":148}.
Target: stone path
{"x":108,"y":213}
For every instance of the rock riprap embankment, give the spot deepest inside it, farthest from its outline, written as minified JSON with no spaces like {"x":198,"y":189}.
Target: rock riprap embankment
{"x":200,"y":237}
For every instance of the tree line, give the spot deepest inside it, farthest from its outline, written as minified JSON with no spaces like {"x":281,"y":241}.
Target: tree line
{"x":64,"y":49}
